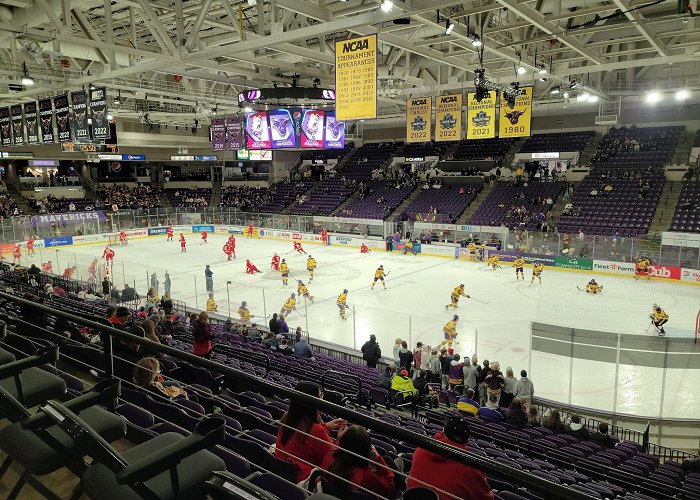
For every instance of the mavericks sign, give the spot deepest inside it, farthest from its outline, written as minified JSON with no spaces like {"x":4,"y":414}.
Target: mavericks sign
{"x":67,"y":218}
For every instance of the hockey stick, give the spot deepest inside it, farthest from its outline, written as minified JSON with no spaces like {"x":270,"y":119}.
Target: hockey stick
{"x":479,"y":301}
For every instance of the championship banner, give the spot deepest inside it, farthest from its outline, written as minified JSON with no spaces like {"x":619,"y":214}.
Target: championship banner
{"x":79,"y":122}
{"x":448,"y":117}
{"x":46,"y":121}
{"x":60,"y":103}
{"x":356,"y":78}
{"x":481,"y":116}
{"x":218,"y":134}
{"x":418,"y":119}
{"x":17,"y":125}
{"x":98,"y":113}
{"x":515,"y":121}
{"x":5,"y":134}
{"x":30,"y":118}
{"x":234,"y":133}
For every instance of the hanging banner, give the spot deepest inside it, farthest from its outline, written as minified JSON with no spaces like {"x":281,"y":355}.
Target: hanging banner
{"x":356,"y":78}
{"x":98,"y":113}
{"x":218,"y":134}
{"x":515,"y":121}
{"x":17,"y":125}
{"x":418,"y":119}
{"x":46,"y":121}
{"x":60,"y":103}
{"x":481,"y":116}
{"x":335,"y":132}
{"x":448,"y":117}
{"x":79,"y":122}
{"x":5,"y":134}
{"x":31,"y":119}
{"x":234,"y":133}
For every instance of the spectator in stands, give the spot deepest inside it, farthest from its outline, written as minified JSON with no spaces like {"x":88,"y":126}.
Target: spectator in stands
{"x":602,"y":437}
{"x":405,"y":357}
{"x":147,"y":376}
{"x":552,"y":421}
{"x":201,"y":333}
{"x":426,"y":395}
{"x":385,"y":376}
{"x":284,"y":327}
{"x":274,"y":324}
{"x":524,"y":389}
{"x":594,"y":192}
{"x":166,"y":303}
{"x":515,"y":414}
{"x":485,"y":370}
{"x":495,"y":382}
{"x":467,"y":404}
{"x":507,"y":395}
{"x":417,"y":356}
{"x":403,"y":383}
{"x":577,"y":429}
{"x":303,"y":438}
{"x":128,"y":293}
{"x":444,"y":474}
{"x":434,"y":366}
{"x":471,"y":374}
{"x":118,"y":317}
{"x":533,"y":417}
{"x":371,"y":352}
{"x":491,"y":412}
{"x":348,"y":471}
{"x":284,"y":346}
{"x":149,"y":328}
{"x":302,"y":349}
{"x":456,"y":373}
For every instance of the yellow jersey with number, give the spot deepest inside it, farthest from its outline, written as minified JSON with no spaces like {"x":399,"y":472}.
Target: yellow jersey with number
{"x":311,"y":264}
{"x":379,"y":273}
{"x":302,"y":290}
{"x":660,"y":315}
{"x":457,"y":293}
{"x":284,"y":268}
{"x":290,"y":304}
{"x":450,"y":328}
{"x":519,"y":263}
{"x":537,"y":270}
{"x":342,"y":298}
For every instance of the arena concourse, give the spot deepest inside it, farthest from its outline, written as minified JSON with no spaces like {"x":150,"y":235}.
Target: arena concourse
{"x":353,"y":249}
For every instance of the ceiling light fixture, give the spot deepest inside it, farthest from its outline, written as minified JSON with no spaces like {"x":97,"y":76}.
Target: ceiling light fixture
{"x":682,"y":95}
{"x":387,"y":5}
{"x":248,"y":110}
{"x":555,"y":90}
{"x":520,"y":70}
{"x":449,"y":26}
{"x":565,"y":95}
{"x":653,"y":97}
{"x":476,"y":42}
{"x":583,"y":97}
{"x":110,"y":117}
{"x":542,"y":70}
{"x":26,"y":79}
{"x":593,"y":98}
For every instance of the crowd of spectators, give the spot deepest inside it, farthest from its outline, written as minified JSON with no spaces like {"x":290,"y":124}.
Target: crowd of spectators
{"x":243,"y":198}
{"x":629,"y":139}
{"x":123,"y":196}
{"x":8,"y":207}
{"x":51,"y":204}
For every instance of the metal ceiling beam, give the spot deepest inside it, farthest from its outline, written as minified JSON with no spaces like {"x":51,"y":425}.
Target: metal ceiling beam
{"x":89,"y":32}
{"x":156,"y":25}
{"x":638,"y":21}
{"x":194,"y":33}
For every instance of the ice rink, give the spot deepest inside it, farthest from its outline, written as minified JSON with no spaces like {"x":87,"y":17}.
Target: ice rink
{"x":495,"y":323}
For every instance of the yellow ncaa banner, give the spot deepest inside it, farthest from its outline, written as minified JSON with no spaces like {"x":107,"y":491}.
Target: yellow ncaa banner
{"x":356,"y":78}
{"x":418,"y":111}
{"x":448,"y":117}
{"x":481,"y":116}
{"x":516,"y":121}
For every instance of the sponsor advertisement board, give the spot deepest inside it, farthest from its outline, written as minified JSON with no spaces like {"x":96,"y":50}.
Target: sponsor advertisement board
{"x":152,"y":231}
{"x":90,"y":238}
{"x":668,"y":272}
{"x":440,"y":251}
{"x":342,"y":240}
{"x":223,"y":229}
{"x":573,"y":263}
{"x":692,"y":275}
{"x":58,"y":241}
{"x":609,"y":266}
{"x":199,"y":229}
{"x":510,"y":256}
{"x":181,"y":229}
{"x":137,"y":232}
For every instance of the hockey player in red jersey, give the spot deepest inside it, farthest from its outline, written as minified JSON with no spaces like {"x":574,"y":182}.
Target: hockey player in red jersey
{"x":169,"y":232}
{"x":298,"y":247}
{"x":364,"y":248}
{"x":108,"y":255}
{"x":68,"y":272}
{"x":93,"y":270}
{"x":275,"y":264}
{"x":17,"y":253}
{"x":324,"y":236}
{"x":122,"y":238}
{"x":183,"y":243}
{"x":47,"y":267}
{"x":250,"y":268}
{"x":228,"y":250}
{"x":204,"y":237}
{"x":250,"y":230}
{"x":30,"y":246}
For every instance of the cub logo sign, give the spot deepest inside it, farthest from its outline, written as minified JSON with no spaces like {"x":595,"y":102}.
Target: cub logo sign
{"x":668,"y":272}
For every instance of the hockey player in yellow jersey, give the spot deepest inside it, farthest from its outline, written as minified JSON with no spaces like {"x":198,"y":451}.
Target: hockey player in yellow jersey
{"x":493,"y":262}
{"x":379,"y":275}
{"x":472,"y":251}
{"x":455,"y":295}
{"x":518,"y":265}
{"x":211,"y":303}
{"x":244,"y":312}
{"x":642,"y":268}
{"x":537,"y":272}
{"x":593,"y":287}
{"x":303,"y":291}
{"x":450,"y":332}
{"x":408,"y":247}
{"x":284,"y":270}
{"x":289,"y":306}
{"x":311,"y":267}
{"x":342,"y":303}
{"x":658,"y":318}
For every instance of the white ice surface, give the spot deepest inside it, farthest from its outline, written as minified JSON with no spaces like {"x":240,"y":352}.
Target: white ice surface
{"x":412,"y":307}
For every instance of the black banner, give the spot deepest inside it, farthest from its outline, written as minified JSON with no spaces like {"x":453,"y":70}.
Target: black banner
{"x":79,"y":122}
{"x":17,"y":125}
{"x":60,"y":102}
{"x":98,"y":113}
{"x":5,"y":134}
{"x":46,"y":121}
{"x":31,"y":119}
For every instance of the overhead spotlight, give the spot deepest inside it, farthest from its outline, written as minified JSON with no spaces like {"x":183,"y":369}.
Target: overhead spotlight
{"x":573,"y":85}
{"x":521,"y":70}
{"x":26,"y":79}
{"x":542,"y":71}
{"x":110,"y":117}
{"x":214,"y":111}
{"x":476,"y":41}
{"x":317,"y":82}
{"x":542,"y":79}
{"x":593,"y":98}
{"x":118,"y":100}
{"x":481,"y":93}
{"x":682,"y":95}
{"x":449,"y":26}
{"x":248,"y":110}
{"x":583,"y":97}
{"x":555,"y":90}
{"x":91,"y":86}
{"x":510,"y":100}
{"x":565,"y":95}
{"x":653,"y":97}
{"x":387,"y":5}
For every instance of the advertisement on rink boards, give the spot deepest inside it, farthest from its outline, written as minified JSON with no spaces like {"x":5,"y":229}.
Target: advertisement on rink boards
{"x":608,"y":266}
{"x":200,"y":228}
{"x":91,"y":238}
{"x":58,"y":241}
{"x":668,"y":272}
{"x":510,"y":256}
{"x":573,"y":263}
{"x":692,"y":275}
{"x":449,"y":251}
{"x":153,"y":231}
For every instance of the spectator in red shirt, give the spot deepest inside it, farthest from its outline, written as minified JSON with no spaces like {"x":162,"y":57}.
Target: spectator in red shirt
{"x":444,"y":475}
{"x":201,"y":332}
{"x":357,"y":469}
{"x":303,"y":438}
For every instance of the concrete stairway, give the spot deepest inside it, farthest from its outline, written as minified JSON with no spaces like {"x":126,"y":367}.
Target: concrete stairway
{"x":409,"y":199}
{"x":667,"y":206}
{"x":21,"y":201}
{"x":215,"y":194}
{"x":682,"y":153}
{"x":471,"y":209}
{"x":510,"y":155}
{"x":589,"y":151}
